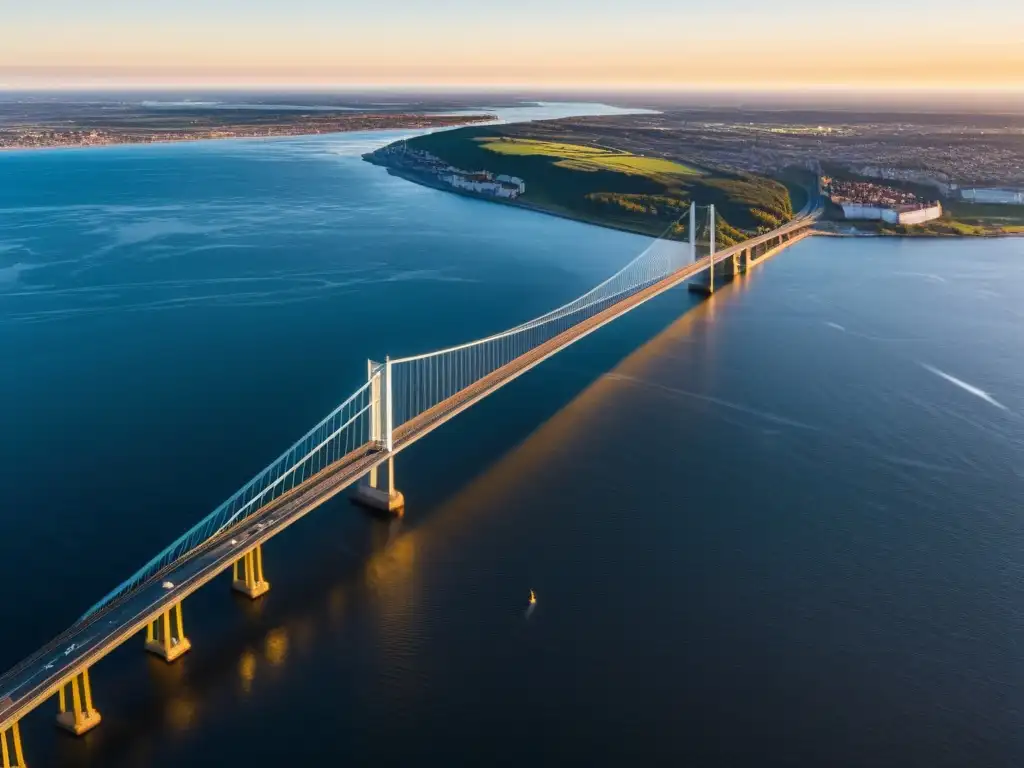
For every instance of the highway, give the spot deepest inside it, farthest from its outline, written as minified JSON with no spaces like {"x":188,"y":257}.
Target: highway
{"x":41,"y":675}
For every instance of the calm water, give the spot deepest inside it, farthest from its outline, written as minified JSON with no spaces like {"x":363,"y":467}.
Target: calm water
{"x":780,"y":527}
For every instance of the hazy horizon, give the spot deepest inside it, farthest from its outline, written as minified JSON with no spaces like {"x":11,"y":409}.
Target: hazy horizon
{"x":877,"y":100}
{"x":647,"y":44}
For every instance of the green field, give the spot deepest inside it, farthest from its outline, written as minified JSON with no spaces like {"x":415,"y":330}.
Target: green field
{"x":980,"y":214}
{"x":602,"y":185}
{"x":583,"y":158}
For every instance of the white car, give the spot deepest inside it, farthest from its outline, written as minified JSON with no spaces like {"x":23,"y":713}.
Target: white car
{"x":168,"y":585}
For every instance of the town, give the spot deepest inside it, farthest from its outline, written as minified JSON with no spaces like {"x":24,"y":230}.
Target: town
{"x":867,"y":201}
{"x":432,"y":170}
{"x":208,"y":125}
{"x":972,"y":158}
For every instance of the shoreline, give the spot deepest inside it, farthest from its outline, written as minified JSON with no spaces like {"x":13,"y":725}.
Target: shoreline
{"x":485,"y":119}
{"x":424,"y":181}
{"x":899,"y":236}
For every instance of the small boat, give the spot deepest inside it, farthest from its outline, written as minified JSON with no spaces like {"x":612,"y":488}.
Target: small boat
{"x":533,"y":597}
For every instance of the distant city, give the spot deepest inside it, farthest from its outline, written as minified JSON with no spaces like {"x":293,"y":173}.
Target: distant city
{"x":950,"y":152}
{"x":865,"y":200}
{"x":433,"y":169}
{"x":147,"y":127}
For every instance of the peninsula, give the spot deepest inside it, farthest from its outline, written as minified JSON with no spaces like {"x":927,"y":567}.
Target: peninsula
{"x":594,"y":182}
{"x":927,"y":174}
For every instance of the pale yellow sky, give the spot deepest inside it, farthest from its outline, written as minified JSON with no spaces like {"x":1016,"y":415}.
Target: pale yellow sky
{"x":643,"y":43}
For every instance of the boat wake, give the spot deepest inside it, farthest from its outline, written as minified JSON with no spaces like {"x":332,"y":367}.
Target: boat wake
{"x":979,"y":393}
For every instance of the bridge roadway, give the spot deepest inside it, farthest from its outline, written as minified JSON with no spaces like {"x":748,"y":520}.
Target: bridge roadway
{"x":41,"y":675}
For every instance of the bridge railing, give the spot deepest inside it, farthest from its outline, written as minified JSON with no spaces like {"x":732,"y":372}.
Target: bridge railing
{"x":420,"y":382}
{"x":398,"y":391}
{"x":348,"y":428}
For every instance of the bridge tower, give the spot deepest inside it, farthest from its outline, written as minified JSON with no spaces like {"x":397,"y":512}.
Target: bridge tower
{"x":693,"y":231}
{"x":370,"y":494}
{"x":697,"y":286}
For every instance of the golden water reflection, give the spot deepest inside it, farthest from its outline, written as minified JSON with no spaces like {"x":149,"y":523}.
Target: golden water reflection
{"x":275,"y":647}
{"x":577,"y":421}
{"x":391,"y":570}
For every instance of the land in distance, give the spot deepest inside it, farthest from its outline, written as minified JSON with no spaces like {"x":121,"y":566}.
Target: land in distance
{"x":596,"y":180}
{"x":740,"y":157}
{"x":36,"y":123}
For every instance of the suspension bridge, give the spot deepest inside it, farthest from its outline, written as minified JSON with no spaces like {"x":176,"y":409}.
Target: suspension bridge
{"x":402,"y":401}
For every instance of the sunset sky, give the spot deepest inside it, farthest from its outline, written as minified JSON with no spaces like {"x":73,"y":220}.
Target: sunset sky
{"x":556,"y":43}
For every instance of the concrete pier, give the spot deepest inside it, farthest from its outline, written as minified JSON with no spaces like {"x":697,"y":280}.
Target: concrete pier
{"x":81,"y":716}
{"x":379,"y":499}
{"x":165,"y":635}
{"x":247,"y":574}
{"x":10,"y":747}
{"x":704,"y":289}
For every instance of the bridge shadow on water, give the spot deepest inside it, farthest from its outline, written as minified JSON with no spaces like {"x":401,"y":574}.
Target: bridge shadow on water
{"x":343,"y":582}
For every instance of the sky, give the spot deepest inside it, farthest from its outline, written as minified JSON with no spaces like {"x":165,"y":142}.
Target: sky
{"x":596,"y":44}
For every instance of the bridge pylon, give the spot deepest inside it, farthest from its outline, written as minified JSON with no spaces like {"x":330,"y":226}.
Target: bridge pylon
{"x":693,"y":231}
{"x":371,"y":494}
{"x":165,"y":635}
{"x":82,"y":716}
{"x":711,"y":239}
{"x":10,"y":748}
{"x":247,"y":575}
{"x":697,"y":286}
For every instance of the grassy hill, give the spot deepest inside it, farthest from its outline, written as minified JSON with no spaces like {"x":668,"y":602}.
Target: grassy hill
{"x":607,"y":186}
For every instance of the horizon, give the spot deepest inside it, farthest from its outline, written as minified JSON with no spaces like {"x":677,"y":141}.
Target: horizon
{"x":651,"y":45}
{"x":117,"y":86}
{"x":889,"y":99}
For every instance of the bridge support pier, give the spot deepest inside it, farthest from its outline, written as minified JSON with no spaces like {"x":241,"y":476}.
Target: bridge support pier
{"x":247,"y":574}
{"x":380,"y":499}
{"x":10,"y":748}
{"x":165,"y":635}
{"x":723,"y":272}
{"x":82,"y":716}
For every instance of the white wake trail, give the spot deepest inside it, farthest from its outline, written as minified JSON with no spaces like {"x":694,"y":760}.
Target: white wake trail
{"x":966,"y":387}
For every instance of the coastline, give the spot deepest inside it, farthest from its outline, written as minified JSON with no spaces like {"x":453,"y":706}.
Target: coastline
{"x":910,"y":236}
{"x":484,"y":120}
{"x":425,"y":181}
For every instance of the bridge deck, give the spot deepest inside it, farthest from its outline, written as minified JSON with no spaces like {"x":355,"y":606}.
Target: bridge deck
{"x":41,"y":675}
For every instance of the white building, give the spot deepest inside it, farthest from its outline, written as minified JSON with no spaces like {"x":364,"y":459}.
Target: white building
{"x":496,"y":188}
{"x":864,"y":212}
{"x":515,"y":181}
{"x":998,"y":196}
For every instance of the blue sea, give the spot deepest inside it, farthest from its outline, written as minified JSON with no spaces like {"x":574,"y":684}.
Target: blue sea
{"x":778,"y":527}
